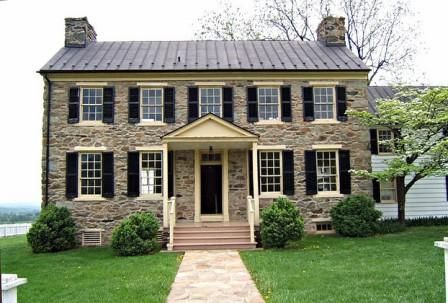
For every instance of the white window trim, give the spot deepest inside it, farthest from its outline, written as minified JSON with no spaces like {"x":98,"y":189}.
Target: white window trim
{"x":326,"y":121}
{"x":270,"y":194}
{"x":81,"y":197}
{"x":378,"y":138}
{"x":337,"y":192}
{"x":81,"y":115}
{"x":155,"y":197}
{"x":146,"y":122}
{"x":279,"y":117}
{"x":395,"y":194}
{"x":200,"y":98}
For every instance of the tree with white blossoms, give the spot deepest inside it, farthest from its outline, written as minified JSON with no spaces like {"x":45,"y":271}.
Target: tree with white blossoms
{"x":418,"y":120}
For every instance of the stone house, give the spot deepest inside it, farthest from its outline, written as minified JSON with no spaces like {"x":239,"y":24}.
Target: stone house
{"x":202,"y":133}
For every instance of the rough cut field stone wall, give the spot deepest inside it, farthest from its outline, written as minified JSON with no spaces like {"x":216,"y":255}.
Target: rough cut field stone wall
{"x":122,"y":137}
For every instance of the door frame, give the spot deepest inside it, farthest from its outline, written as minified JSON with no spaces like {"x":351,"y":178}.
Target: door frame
{"x":224,"y":162}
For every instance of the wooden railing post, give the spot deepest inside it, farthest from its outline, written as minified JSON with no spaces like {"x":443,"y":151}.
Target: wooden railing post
{"x":172,"y":222}
{"x":251,"y":217}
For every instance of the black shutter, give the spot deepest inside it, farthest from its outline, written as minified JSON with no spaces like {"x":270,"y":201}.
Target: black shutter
{"x":169,"y":105}
{"x":108,"y":104}
{"x":286,"y":103}
{"x":341,"y":103}
{"x":310,"y":172}
{"x":193,"y":103}
{"x":376,"y":190}
{"x":252,"y":104}
{"x":71,"y":175}
{"x":133,"y":174}
{"x":345,"y":183}
{"x":308,"y":104}
{"x":108,"y":174}
{"x":288,"y":172}
{"x":73,"y":105}
{"x":170,"y":174}
{"x":446,"y":187}
{"x":373,"y":142}
{"x":227,"y":104}
{"x":445,"y":131}
{"x":251,"y":172}
{"x":134,"y":105}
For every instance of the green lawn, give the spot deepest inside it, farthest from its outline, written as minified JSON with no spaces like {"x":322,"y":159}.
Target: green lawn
{"x":88,"y":275}
{"x":403,"y":267}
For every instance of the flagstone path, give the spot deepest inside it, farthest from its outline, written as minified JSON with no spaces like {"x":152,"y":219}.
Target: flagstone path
{"x":213,"y":276}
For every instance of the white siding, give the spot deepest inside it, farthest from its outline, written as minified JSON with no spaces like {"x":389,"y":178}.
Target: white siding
{"x":426,"y":198}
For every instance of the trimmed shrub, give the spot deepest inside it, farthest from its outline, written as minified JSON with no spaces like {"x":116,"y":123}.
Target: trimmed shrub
{"x":136,"y":235}
{"x":389,"y":226}
{"x":428,"y":221}
{"x":53,"y":231}
{"x":355,"y":216}
{"x":281,"y":222}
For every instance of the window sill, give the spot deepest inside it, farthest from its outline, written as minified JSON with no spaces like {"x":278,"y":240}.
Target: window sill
{"x":149,"y":198}
{"x":389,"y":202}
{"x":269,"y":122}
{"x":151,"y":123}
{"x":270,"y":195}
{"x":91,"y":123}
{"x":328,"y":195}
{"x":89,"y":198}
{"x":325,"y":121}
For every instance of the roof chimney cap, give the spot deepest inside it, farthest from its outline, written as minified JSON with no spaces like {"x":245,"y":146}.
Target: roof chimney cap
{"x":78,"y":32}
{"x":331,"y":31}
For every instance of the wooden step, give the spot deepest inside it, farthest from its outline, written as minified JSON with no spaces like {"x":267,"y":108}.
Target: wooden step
{"x":212,"y":228}
{"x":207,"y":246}
{"x":213,"y":233}
{"x":213,"y":239}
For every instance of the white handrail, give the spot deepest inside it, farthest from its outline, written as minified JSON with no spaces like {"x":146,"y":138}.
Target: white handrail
{"x":172,"y":221}
{"x":251,"y":217}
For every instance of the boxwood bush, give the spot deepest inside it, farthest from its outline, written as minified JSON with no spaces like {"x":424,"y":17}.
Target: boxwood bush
{"x":281,"y":222}
{"x":53,"y":231}
{"x":355,"y":216}
{"x":136,"y":235}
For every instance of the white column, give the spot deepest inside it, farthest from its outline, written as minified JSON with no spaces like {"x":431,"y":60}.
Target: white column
{"x":255,"y":182}
{"x":197,"y":186}
{"x":225,"y":185}
{"x":444,"y":244}
{"x":165,"y":184}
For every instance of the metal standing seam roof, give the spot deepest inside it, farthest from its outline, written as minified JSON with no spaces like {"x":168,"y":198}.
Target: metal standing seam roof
{"x":375,"y":93}
{"x":203,"y":55}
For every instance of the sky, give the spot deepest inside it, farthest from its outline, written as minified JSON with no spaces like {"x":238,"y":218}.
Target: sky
{"x":32,"y":31}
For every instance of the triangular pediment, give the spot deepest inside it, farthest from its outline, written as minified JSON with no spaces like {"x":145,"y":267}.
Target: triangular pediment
{"x":210,"y":126}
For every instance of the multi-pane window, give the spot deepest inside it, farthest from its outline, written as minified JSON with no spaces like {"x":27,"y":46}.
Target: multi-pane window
{"x":268,"y":103}
{"x":90,"y":173}
{"x":327,"y":175}
{"x":92,"y":104}
{"x":384,"y":137}
{"x":210,"y":100}
{"x":151,"y":173}
{"x":152,"y":104}
{"x":388,"y":191}
{"x":270,"y":171}
{"x":324,"y":102}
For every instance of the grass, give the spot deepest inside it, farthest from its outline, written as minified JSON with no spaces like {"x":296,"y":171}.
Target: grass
{"x":402,"y":267}
{"x":88,"y":274}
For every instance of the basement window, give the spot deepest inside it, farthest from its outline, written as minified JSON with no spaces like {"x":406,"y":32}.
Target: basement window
{"x":92,"y":237}
{"x":323,"y":226}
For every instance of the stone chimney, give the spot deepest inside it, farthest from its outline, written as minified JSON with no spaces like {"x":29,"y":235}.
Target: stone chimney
{"x":331,"y":31}
{"x":78,"y":32}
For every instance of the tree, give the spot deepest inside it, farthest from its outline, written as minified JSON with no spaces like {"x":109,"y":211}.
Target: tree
{"x":376,"y":30}
{"x":418,"y":120}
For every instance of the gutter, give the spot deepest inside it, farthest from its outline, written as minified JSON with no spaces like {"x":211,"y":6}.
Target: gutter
{"x":47,"y":153}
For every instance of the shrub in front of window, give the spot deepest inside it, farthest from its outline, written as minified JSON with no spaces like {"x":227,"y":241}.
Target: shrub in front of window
{"x":136,"y":235}
{"x":53,"y":231}
{"x":355,"y":216}
{"x":281,"y":223}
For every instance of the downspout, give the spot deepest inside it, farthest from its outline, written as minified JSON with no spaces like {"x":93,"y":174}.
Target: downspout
{"x":47,"y":153}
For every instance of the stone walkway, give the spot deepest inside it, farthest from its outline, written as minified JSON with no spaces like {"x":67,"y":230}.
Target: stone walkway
{"x":213,"y":276}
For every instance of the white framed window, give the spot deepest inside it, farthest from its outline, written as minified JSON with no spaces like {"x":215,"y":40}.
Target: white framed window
{"x":91,"y":104}
{"x":384,"y":137}
{"x":152,"y":104}
{"x":210,"y":100}
{"x":327,"y":171}
{"x":388,"y":192}
{"x":271,"y":171}
{"x":151,"y":173}
{"x":90,"y":174}
{"x":324,"y":103}
{"x":268,"y":103}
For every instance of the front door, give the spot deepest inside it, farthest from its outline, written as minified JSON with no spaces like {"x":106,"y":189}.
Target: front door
{"x":211,"y":189}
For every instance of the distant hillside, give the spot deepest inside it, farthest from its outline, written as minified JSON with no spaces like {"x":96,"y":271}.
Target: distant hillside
{"x":18,"y":214}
